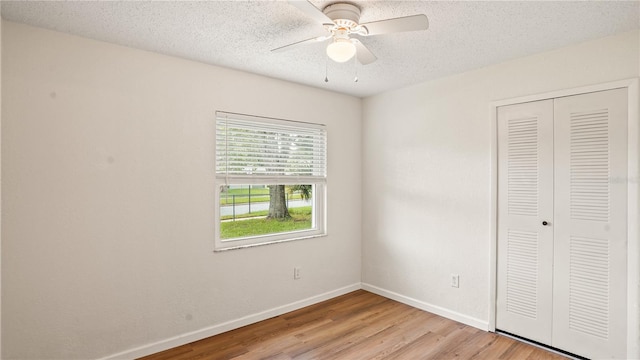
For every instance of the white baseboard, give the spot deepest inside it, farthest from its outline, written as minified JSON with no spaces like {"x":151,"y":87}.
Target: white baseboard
{"x":449,"y":314}
{"x":227,"y":326}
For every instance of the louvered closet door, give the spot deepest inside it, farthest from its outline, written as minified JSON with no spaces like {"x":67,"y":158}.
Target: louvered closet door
{"x":589,"y":292}
{"x":525,"y":199}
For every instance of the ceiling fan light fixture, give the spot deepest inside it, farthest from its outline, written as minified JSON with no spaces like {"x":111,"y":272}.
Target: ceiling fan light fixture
{"x":341,"y":50}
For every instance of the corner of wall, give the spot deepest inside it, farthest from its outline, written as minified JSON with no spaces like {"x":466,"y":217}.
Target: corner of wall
{"x":0,"y":186}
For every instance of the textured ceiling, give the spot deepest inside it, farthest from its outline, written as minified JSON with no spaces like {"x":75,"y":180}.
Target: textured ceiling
{"x":463,"y":35}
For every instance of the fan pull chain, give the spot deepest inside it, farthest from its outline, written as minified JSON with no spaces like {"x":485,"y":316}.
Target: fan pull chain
{"x":326,"y":71}
{"x":355,"y":67}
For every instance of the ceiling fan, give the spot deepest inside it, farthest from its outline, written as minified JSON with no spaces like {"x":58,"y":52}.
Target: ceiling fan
{"x":342,"y":20}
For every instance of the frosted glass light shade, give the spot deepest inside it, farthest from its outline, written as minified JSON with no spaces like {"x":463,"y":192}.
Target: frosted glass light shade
{"x":341,"y":50}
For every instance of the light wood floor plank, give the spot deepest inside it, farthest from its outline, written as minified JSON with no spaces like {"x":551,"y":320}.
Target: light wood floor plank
{"x":358,"y":325}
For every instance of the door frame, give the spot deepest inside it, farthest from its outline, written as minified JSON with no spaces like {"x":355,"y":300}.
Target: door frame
{"x":633,"y":205}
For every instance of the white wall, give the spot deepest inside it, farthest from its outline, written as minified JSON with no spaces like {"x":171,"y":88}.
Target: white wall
{"x":0,"y":187}
{"x":426,"y":172}
{"x":107,"y":207}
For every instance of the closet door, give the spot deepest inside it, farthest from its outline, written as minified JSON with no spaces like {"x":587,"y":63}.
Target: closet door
{"x":589,"y":292}
{"x":525,"y":200}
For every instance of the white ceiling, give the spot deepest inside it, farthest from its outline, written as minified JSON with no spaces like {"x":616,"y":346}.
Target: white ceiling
{"x":463,"y":35}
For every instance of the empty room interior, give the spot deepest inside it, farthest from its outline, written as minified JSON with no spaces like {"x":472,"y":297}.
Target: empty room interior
{"x":320,"y":179}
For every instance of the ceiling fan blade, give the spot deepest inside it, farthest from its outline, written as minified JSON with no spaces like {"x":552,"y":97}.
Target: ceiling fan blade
{"x":303,"y":42}
{"x":364,"y":55}
{"x":407,"y":23}
{"x":311,"y":11}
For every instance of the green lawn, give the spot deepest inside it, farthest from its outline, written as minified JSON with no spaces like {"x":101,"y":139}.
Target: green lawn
{"x":242,"y":216}
{"x":300,"y":220}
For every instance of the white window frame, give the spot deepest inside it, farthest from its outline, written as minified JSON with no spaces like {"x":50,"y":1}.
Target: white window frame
{"x":227,"y":177}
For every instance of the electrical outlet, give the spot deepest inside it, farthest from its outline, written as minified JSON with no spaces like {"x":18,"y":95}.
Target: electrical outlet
{"x":455,"y":280}
{"x":296,"y":273}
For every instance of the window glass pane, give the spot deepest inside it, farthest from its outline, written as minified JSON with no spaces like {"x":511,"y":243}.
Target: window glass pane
{"x":258,"y":210}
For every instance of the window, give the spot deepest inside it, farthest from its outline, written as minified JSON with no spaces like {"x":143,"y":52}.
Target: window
{"x":270,"y":180}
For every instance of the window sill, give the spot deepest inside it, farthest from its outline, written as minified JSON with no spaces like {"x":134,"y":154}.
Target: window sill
{"x":227,"y":248}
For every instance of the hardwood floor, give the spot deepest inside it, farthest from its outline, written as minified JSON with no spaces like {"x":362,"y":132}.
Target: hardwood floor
{"x":358,"y":325}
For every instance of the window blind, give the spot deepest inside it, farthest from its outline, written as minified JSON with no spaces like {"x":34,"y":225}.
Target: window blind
{"x":251,"y":149}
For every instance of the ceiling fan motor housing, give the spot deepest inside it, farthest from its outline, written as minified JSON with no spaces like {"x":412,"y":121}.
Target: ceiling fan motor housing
{"x":343,"y":15}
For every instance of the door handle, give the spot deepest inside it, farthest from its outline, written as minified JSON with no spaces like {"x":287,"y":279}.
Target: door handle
{"x":544,"y":223}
